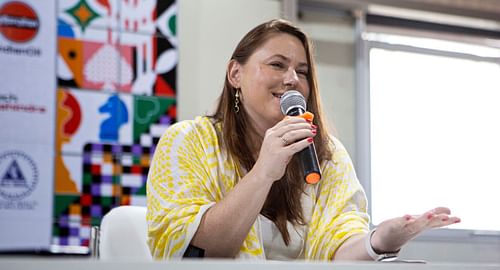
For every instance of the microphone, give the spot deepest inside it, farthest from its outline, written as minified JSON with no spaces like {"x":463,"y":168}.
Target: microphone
{"x":292,"y":103}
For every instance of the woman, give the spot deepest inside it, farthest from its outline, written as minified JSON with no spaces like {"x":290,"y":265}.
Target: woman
{"x":230,"y":184}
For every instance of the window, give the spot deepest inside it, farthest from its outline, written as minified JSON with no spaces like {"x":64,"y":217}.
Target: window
{"x":434,"y":125}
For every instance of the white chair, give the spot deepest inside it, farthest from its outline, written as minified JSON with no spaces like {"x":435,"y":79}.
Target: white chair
{"x":123,"y":234}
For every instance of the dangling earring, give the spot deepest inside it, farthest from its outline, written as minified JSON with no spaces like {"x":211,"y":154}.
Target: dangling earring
{"x":237,"y":101}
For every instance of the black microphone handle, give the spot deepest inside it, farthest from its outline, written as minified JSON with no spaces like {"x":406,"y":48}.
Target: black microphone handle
{"x":310,"y":162}
{"x":307,"y":155}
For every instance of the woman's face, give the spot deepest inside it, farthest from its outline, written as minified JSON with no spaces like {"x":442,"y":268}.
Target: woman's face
{"x":280,"y":64}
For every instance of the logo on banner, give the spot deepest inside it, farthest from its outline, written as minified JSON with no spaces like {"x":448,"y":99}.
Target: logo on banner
{"x":18,"y":22}
{"x":18,"y":175}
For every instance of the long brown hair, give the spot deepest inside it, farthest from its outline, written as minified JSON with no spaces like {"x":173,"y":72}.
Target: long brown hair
{"x":283,"y":201}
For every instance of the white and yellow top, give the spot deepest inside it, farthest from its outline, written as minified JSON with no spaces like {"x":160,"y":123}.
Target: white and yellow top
{"x":190,"y":172}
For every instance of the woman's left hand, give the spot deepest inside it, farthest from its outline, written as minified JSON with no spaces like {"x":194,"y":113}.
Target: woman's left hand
{"x":393,"y":233}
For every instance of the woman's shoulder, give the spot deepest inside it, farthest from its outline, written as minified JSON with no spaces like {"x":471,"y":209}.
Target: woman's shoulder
{"x":339,"y":152}
{"x":339,"y":169}
{"x":199,"y":123}
{"x":200,"y":128}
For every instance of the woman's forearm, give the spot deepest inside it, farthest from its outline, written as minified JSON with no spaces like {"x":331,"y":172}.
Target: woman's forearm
{"x":225,"y":225}
{"x":353,"y":249}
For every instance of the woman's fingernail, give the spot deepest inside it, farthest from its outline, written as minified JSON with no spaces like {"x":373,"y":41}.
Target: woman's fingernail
{"x":407,"y":217}
{"x":429,"y":216}
{"x":310,"y":140}
{"x":314,"y":126}
{"x":313,"y":131}
{"x":457,"y":221}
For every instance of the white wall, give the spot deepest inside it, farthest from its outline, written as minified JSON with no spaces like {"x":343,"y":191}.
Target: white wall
{"x":333,"y":39}
{"x":209,"y":30}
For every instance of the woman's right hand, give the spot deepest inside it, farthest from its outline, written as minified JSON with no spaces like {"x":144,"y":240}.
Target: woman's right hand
{"x":281,"y":142}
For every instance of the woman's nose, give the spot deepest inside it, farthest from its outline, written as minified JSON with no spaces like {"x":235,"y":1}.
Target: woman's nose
{"x":291,"y":78}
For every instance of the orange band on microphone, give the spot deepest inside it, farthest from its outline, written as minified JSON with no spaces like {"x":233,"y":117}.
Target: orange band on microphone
{"x":313,"y":178}
{"x":308,"y":116}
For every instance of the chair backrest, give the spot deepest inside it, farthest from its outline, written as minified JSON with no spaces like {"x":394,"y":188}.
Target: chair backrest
{"x":123,"y":234}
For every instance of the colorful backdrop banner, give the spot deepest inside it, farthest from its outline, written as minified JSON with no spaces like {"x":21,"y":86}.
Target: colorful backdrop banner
{"x":116,"y":72}
{"x":88,"y":87}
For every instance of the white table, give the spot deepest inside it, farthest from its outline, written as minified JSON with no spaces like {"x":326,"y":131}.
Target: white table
{"x":51,"y":263}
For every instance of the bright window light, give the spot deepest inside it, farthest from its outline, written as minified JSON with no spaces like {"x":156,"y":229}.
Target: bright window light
{"x":435,"y":137}
{"x":429,"y":43}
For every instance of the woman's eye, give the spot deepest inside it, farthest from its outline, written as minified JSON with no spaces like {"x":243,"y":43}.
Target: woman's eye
{"x":303,"y":72}
{"x":277,"y":65}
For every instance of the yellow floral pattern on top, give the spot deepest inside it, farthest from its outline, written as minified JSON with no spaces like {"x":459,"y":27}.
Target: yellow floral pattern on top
{"x":190,"y":172}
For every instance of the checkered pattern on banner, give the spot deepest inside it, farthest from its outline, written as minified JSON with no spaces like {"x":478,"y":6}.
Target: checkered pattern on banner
{"x":113,"y":175}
